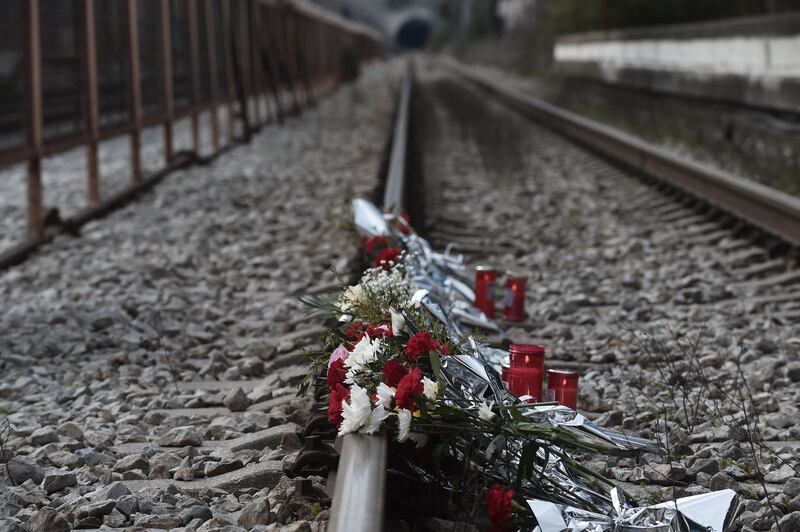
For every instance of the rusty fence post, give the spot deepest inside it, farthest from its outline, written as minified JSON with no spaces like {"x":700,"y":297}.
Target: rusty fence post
{"x":34,"y":184}
{"x":136,"y":90}
{"x":226,"y":38}
{"x":211,"y":42}
{"x":244,"y":61}
{"x":194,"y":57}
{"x":90,"y":59}
{"x":166,"y":62}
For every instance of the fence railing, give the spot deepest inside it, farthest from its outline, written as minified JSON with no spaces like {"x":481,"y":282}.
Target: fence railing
{"x":74,"y":73}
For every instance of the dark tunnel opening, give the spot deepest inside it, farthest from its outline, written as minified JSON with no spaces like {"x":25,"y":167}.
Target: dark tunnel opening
{"x":414,"y":33}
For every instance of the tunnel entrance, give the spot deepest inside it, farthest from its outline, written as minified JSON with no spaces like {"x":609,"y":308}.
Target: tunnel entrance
{"x":414,"y":33}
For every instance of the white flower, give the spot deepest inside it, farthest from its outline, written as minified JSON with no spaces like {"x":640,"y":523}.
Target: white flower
{"x":485,"y":411}
{"x":351,"y":297}
{"x":429,"y":389}
{"x":385,"y":395}
{"x":364,"y":352}
{"x":419,"y":439}
{"x":398,"y":322}
{"x":417,"y":298}
{"x":403,"y":424}
{"x":373,"y":424}
{"x":357,"y":412}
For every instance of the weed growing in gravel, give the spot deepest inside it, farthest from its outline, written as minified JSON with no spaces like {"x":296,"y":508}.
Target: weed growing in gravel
{"x":684,"y":396}
{"x":5,"y":453}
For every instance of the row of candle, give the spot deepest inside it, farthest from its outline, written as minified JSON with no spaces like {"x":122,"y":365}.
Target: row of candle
{"x":524,"y":375}
{"x":485,"y":281}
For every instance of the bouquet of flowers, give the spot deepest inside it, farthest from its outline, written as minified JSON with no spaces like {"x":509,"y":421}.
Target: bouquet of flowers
{"x":400,"y":361}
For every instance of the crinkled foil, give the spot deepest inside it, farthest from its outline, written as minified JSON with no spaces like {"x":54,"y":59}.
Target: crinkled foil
{"x":473,"y":378}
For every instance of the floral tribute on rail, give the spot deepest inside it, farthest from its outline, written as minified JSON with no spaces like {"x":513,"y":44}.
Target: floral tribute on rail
{"x":404,"y":360}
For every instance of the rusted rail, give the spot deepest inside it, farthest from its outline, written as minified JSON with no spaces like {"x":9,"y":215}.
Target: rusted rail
{"x":304,"y":59}
{"x":775,"y":212}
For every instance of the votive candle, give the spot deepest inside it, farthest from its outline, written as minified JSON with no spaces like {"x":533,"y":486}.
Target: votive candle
{"x":526,"y":374}
{"x":485,"y":279}
{"x":562,"y":386}
{"x":515,"y":298}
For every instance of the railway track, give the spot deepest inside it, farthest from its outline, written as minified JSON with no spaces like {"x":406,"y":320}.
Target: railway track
{"x":198,"y":423}
{"x":630,"y":252}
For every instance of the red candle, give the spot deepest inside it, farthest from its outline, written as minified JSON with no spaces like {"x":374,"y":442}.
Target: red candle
{"x":526,"y":374}
{"x":484,"y":290}
{"x":562,"y":386}
{"x":515,"y":298}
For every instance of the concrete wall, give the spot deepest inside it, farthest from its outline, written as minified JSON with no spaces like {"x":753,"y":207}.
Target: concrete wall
{"x":755,"y":61}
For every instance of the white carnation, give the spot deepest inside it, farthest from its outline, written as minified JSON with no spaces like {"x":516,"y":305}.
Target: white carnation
{"x":356,"y":412}
{"x":351,"y":297}
{"x":485,"y":411}
{"x":385,"y":395}
{"x":429,"y":389}
{"x":375,"y":419}
{"x":403,"y":424}
{"x":365,"y":352}
{"x":419,"y":439}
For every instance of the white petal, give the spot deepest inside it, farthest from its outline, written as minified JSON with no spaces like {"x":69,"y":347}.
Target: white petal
{"x":485,"y":411}
{"x":419,"y":439}
{"x":375,"y":419}
{"x":430,"y":388}
{"x":356,"y":412}
{"x":403,"y":424}
{"x":385,"y":395}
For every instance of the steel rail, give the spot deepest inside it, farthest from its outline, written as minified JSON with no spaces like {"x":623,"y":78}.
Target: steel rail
{"x":360,"y":490}
{"x":394,"y":192}
{"x":773,"y":211}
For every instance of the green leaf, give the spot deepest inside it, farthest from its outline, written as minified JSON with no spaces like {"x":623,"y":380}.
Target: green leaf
{"x":496,"y":443}
{"x":526,"y":461}
{"x":436,"y":365}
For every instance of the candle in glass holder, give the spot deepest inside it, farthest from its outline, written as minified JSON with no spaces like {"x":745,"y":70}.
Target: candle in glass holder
{"x":562,"y":386}
{"x":515,"y":298}
{"x":485,"y":279}
{"x":526,"y":373}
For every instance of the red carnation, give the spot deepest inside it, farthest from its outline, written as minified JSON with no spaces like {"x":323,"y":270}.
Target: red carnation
{"x":372,"y":243}
{"x":393,"y":372}
{"x":408,"y":388}
{"x":498,"y":501}
{"x":353,"y":330}
{"x":420,"y":344}
{"x":338,"y":394}
{"x":379,"y":330}
{"x":336,"y":372}
{"x":387,"y":258}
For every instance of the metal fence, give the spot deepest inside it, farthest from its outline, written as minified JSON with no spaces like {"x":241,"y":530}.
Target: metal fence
{"x":76,"y":72}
